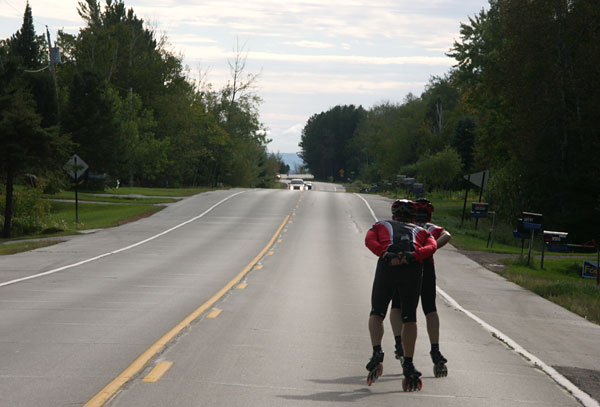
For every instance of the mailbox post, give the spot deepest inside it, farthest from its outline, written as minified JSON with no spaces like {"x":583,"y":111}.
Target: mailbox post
{"x":555,"y":241}
{"x":531,"y":222}
{"x":479,"y":210}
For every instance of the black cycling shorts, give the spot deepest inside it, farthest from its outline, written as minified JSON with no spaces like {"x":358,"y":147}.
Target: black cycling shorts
{"x":403,"y":281}
{"x":428,"y":290}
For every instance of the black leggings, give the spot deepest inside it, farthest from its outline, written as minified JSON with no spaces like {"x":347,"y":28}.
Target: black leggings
{"x":402,"y":281}
{"x":428,"y":292}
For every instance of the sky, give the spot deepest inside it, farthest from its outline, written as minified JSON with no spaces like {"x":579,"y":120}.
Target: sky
{"x":310,"y":55}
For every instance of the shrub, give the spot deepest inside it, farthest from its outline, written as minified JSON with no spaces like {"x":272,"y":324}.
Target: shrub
{"x":30,"y":212}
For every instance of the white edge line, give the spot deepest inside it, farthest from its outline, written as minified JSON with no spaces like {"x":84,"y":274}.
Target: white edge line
{"x":45,"y":273}
{"x":579,"y":394}
{"x":368,"y":206}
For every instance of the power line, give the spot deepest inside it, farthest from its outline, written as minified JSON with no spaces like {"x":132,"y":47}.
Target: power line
{"x":13,"y":7}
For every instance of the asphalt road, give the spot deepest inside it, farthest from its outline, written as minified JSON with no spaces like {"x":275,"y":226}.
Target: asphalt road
{"x":293,"y":333}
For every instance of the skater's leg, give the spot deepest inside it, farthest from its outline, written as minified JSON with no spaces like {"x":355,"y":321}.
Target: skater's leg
{"x":396,"y":320}
{"x":409,"y":338}
{"x":376,"y":329}
{"x":396,"y":323}
{"x":433,"y":327}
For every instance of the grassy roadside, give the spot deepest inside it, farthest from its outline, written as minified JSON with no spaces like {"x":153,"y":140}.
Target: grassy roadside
{"x":559,"y":281}
{"x":18,"y":247}
{"x":86,"y":196}
{"x":96,"y":213}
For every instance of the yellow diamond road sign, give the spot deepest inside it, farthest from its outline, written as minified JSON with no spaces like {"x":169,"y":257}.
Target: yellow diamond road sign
{"x":75,"y":167}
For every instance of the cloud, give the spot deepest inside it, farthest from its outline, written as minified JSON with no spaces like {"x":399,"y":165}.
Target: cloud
{"x":309,"y":44}
{"x":294,"y":130}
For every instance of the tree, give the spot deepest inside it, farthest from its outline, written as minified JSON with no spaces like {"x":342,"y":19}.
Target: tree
{"x":326,"y":141}
{"x":26,"y":45}
{"x":26,"y":146}
{"x":523,"y":71}
{"x":91,"y":118}
{"x":439,"y":170}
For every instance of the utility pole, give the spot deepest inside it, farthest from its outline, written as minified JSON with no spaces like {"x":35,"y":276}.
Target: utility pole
{"x":54,"y":56}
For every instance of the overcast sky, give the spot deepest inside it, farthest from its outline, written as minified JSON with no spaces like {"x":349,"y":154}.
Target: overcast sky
{"x":311,"y":54}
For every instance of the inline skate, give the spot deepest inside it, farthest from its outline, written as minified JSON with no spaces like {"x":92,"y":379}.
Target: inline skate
{"x":439,"y":364}
{"x":412,"y":377}
{"x":375,"y":367}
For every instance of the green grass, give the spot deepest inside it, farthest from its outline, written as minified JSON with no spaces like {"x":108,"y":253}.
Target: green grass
{"x":172,"y":192}
{"x":18,"y":247}
{"x":96,"y":216}
{"x":560,"y":282}
{"x":86,"y":196}
{"x":115,"y":211}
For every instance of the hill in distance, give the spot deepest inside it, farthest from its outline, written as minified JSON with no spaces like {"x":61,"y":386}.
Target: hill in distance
{"x":292,"y":160}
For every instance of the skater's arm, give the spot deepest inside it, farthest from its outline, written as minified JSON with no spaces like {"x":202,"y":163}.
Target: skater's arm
{"x":426,"y":246}
{"x":444,"y":238}
{"x":377,"y":239}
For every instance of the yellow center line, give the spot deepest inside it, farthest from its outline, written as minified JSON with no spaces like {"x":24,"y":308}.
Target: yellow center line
{"x":111,"y":388}
{"x":214,"y":313}
{"x":159,"y":370}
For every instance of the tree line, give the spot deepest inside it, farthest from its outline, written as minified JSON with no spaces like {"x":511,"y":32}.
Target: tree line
{"x":523,"y":101}
{"x":127,"y":106}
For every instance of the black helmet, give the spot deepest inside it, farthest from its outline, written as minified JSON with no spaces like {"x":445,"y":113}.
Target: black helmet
{"x":424,"y":210}
{"x":404,"y":210}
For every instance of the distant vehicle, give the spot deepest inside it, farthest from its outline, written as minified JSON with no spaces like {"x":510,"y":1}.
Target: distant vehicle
{"x":296,"y":183}
{"x":307,"y":185}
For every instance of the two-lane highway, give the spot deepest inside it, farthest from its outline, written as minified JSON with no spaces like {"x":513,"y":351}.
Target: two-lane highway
{"x":293,"y":331}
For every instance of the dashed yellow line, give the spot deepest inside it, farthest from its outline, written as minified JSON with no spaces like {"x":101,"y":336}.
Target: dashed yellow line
{"x":241,"y":286}
{"x":214,"y":313}
{"x":159,"y":370}
{"x":258,"y":267}
{"x":111,"y":388}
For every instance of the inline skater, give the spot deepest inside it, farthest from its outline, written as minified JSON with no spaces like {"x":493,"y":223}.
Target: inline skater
{"x":401,"y":247}
{"x":428,"y":293}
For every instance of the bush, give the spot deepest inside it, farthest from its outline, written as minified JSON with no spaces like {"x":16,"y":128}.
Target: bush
{"x":30,"y":212}
{"x":439,"y":170}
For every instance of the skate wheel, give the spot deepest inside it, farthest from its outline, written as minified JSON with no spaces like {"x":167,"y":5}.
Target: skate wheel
{"x":379,"y":370}
{"x":440,"y":370}
{"x":419,"y":385}
{"x":405,"y":385}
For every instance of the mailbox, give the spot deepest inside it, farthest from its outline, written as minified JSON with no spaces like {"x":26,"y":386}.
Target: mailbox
{"x":520,"y":232}
{"x":556,"y":241}
{"x":531,"y":221}
{"x":479,"y":209}
{"x":555,"y":237}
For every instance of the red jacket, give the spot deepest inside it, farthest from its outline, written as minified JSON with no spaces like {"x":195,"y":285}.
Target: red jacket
{"x":394,"y":236}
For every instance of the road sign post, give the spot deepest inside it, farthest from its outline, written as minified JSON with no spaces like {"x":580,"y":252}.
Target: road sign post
{"x":76,"y":167}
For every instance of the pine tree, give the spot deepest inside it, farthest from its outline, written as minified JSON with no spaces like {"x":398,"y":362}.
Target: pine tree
{"x":26,"y":44}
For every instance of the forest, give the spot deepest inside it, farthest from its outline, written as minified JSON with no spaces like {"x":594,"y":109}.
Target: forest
{"x":522,"y":101}
{"x":125,"y":104}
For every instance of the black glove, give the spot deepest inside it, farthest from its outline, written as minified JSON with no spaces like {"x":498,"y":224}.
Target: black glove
{"x":388,"y":256}
{"x":409,"y":256}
